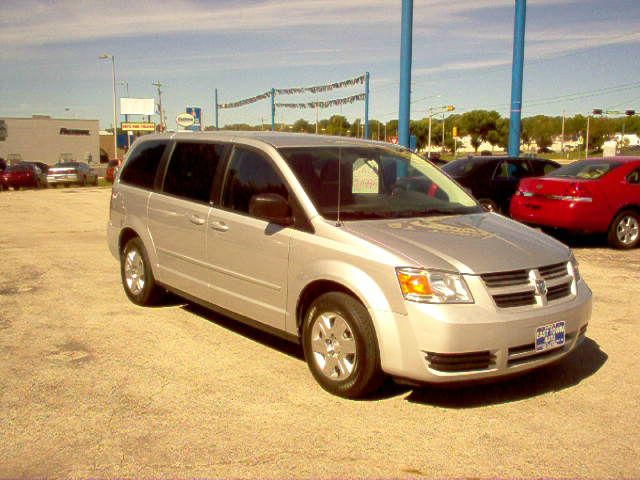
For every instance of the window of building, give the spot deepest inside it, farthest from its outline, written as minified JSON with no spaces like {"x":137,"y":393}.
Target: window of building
{"x":250,"y":174}
{"x":191,"y":170}
{"x":140,"y":169}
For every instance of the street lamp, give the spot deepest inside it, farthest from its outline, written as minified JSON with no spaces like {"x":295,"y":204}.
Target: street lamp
{"x":105,"y":56}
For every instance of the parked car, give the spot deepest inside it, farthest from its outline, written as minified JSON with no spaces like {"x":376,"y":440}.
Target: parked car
{"x":41,"y":165}
{"x":309,"y":237}
{"x":494,"y":180}
{"x":596,"y":195}
{"x":22,"y":175}
{"x":112,"y":168}
{"x":69,"y":173}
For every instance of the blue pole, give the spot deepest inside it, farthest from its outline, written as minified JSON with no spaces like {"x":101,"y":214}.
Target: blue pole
{"x":405,"y":72}
{"x":516,"y":78}
{"x":273,"y":109}
{"x":366,"y":105}
{"x":216,"y":91}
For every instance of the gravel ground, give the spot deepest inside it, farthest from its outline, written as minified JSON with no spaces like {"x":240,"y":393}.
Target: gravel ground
{"x":91,"y":385}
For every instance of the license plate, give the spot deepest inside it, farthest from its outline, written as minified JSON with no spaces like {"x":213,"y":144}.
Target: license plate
{"x":550,"y":336}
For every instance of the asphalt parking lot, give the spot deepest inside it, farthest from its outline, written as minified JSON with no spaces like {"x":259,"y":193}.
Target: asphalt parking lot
{"x":93,"y":386}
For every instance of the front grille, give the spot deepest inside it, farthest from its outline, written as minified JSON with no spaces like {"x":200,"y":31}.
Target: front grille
{"x":506,"y":279}
{"x":559,"y":291}
{"x":558,"y":270}
{"x":520,"y":288}
{"x":460,"y":362}
{"x":518,"y":299}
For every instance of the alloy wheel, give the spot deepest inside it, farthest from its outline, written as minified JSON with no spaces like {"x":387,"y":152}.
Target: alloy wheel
{"x":134,"y":271}
{"x":628,"y":230}
{"x":333,"y":346}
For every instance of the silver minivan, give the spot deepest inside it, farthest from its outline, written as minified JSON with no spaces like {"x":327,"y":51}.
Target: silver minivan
{"x":368,"y":255}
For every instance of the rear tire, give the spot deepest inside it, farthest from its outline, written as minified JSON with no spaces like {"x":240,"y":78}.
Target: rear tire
{"x":340,"y":346}
{"x":489,"y":205}
{"x":624,"y":232}
{"x":137,"y":277}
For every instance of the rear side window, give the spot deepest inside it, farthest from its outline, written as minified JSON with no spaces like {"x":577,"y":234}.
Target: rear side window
{"x":250,"y":174}
{"x":191,"y":170}
{"x":512,"y":169}
{"x":140,"y":169}
{"x":586,"y":169}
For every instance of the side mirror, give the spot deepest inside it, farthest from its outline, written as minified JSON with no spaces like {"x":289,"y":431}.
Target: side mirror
{"x":271,"y":207}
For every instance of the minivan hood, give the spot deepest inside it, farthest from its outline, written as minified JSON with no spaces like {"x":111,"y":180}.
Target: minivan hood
{"x":473,"y":244}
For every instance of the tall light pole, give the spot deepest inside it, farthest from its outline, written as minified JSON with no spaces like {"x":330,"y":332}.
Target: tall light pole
{"x":105,"y":56}
{"x":406,"y":42}
{"x":517,"y":69}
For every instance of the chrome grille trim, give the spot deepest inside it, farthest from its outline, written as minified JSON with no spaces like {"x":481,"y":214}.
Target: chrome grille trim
{"x":526,"y":288}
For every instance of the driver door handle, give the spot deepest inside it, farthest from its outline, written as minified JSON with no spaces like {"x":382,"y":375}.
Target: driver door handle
{"x":219,"y":226}
{"x":196,"y":219}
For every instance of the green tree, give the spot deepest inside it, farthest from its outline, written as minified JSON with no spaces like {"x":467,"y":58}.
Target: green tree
{"x":477,"y":124}
{"x":338,"y":125}
{"x":302,"y":125}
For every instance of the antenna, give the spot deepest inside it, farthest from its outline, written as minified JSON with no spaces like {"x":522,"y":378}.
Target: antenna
{"x":338,"y":224}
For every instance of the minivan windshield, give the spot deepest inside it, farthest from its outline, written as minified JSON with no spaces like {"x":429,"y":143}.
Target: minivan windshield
{"x":360,"y":183}
{"x":585,"y":169}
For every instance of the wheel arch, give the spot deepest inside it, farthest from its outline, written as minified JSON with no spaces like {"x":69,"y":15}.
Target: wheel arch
{"x":126,"y":234}
{"x":312,"y":291}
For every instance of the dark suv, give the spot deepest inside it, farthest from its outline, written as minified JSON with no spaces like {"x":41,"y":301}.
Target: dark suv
{"x":494,"y":180}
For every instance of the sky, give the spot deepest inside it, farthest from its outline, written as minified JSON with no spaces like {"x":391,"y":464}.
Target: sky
{"x":579,"y":55}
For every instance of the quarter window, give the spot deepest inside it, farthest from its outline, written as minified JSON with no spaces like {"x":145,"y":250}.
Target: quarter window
{"x":140,"y":169}
{"x":191,"y":170}
{"x":249,"y":174}
{"x":634,"y":177}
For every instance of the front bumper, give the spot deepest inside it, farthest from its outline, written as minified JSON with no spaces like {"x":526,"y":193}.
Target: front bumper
{"x":486,"y":340}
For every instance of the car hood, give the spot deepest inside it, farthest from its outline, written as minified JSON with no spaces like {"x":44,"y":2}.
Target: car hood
{"x":473,"y":244}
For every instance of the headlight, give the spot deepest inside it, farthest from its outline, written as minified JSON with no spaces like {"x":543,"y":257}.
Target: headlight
{"x":572,"y":266}
{"x":431,"y":286}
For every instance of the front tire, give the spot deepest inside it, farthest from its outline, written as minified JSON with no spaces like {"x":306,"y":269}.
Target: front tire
{"x":137,"y":277}
{"x":624,"y":232}
{"x":340,"y":346}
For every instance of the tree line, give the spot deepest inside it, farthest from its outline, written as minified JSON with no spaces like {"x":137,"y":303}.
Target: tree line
{"x":480,"y":125}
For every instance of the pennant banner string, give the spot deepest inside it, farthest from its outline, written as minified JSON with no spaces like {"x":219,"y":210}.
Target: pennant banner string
{"x":315,"y":89}
{"x":325,"y":103}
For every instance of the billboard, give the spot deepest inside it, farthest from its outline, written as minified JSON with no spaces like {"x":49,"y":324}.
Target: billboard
{"x":137,"y":106}
{"x":197,"y":117}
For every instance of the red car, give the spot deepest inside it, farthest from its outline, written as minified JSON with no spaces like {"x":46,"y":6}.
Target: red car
{"x":598,"y":195}
{"x":22,"y":175}
{"x":112,"y":167}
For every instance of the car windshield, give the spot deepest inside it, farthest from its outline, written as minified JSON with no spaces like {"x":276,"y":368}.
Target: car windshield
{"x":360,"y":183}
{"x":585,"y":169}
{"x":460,"y":167}
{"x":66,"y":165}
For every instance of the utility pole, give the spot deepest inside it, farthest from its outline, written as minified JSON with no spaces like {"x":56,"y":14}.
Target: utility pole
{"x":564,"y":114}
{"x":159,"y":86}
{"x":126,"y":116}
{"x":586,"y":144}
{"x":378,"y":137}
{"x":442,"y":131}
{"x":429,"y":144}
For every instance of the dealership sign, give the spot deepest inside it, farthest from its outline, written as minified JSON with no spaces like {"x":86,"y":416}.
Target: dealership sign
{"x":196,"y":112}
{"x":185,"y":120}
{"x":139,"y":126}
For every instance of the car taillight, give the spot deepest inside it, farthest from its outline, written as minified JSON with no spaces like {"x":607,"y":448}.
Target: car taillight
{"x":576,"y":192}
